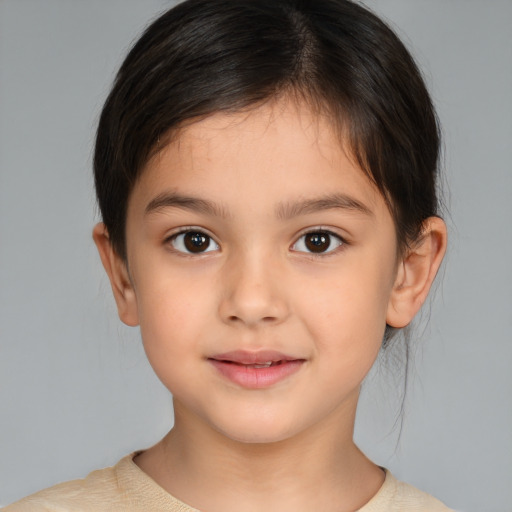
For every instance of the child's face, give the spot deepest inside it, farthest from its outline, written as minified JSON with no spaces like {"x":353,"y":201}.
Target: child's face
{"x":246,"y":278}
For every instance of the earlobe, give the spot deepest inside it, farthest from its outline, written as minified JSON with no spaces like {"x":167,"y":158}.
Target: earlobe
{"x":416,"y":273}
{"x":117,"y":272}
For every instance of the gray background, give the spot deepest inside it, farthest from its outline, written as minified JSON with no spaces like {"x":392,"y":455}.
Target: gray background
{"x":76,"y":392}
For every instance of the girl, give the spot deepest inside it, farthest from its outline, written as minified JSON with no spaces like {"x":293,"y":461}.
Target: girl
{"x":266,"y":175}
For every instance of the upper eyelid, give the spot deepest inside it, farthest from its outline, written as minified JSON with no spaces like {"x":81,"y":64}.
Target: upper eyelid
{"x":320,"y":229}
{"x":187,"y":229}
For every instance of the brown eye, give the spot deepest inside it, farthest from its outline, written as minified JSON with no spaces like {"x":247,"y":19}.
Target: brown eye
{"x":317,"y":242}
{"x":193,"y":242}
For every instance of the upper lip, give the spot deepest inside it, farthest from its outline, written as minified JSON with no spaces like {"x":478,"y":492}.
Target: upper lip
{"x":257,"y":357}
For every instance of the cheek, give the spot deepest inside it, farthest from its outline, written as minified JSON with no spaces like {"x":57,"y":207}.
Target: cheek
{"x":172,"y":315}
{"x":347,"y":314}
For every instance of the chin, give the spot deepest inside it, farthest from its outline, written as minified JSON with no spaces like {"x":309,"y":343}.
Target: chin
{"x":257,"y":431}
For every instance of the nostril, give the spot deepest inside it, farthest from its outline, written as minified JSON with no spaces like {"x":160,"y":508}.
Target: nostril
{"x":265,"y":319}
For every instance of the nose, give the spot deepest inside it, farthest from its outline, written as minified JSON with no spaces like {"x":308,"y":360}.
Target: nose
{"x":253,"y":293}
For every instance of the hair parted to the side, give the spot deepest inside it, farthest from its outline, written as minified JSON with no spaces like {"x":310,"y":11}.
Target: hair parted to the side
{"x":206,"y":56}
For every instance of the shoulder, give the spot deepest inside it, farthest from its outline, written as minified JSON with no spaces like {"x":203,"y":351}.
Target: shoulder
{"x":84,"y":494}
{"x":398,"y":496}
{"x":123,"y":487}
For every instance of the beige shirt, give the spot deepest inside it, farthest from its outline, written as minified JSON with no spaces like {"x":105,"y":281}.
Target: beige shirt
{"x":125,"y":487}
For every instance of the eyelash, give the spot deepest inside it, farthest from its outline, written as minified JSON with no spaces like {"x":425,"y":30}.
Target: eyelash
{"x":182,"y":249}
{"x":341,"y":242}
{"x":179,"y":245}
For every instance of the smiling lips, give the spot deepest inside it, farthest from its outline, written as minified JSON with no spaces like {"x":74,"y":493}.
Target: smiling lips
{"x":255,"y":370}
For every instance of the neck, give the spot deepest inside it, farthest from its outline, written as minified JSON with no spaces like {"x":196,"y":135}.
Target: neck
{"x":319,"y":468}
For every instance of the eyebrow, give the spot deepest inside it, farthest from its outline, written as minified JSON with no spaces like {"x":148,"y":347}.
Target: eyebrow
{"x":283,"y":210}
{"x":330,"y":202}
{"x":170,"y":199}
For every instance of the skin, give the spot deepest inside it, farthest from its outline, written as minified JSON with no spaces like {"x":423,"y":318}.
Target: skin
{"x":257,"y":286}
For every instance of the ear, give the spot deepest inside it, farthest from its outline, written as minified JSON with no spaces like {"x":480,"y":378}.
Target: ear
{"x":118,"y":275}
{"x":416,"y":272}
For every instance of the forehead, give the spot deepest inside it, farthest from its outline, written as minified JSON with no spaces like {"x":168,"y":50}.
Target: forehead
{"x":281,"y":144}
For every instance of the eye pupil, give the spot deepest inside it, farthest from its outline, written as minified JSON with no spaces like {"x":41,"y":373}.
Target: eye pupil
{"x":196,"y":242}
{"x":318,"y":242}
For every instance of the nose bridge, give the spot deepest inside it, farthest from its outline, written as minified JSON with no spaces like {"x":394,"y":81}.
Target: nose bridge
{"x":251,"y":291}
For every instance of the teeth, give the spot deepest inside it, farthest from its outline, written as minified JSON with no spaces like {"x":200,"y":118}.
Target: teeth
{"x":262,"y":365}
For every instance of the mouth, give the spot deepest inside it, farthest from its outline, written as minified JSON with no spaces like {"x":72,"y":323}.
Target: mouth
{"x":256,"y":370}
{"x":267,"y":364}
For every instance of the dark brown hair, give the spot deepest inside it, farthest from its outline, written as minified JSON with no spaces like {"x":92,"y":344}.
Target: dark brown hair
{"x":207,"y":56}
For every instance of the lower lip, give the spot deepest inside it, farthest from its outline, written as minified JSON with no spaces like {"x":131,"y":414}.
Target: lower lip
{"x":256,"y":378}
